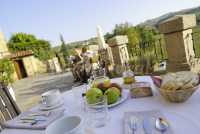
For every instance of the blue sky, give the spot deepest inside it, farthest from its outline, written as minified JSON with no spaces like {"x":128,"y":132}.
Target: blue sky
{"x":77,"y":19}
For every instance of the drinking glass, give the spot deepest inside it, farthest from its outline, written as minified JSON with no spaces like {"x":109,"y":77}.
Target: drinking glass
{"x":78,"y":91}
{"x":97,"y":113}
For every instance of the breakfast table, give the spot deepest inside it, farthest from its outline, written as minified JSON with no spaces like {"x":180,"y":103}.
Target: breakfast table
{"x":183,"y":117}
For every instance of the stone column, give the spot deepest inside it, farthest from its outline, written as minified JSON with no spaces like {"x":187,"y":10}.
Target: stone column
{"x":3,"y":47}
{"x":179,"y":45}
{"x":119,"y":49}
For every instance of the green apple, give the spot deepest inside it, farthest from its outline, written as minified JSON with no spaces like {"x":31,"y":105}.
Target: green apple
{"x":116,"y":85}
{"x":112,"y":95}
{"x":93,"y":95}
{"x":116,"y":90}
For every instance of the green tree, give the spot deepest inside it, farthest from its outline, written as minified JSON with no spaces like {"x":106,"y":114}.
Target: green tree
{"x":121,"y":29}
{"x":147,"y":34}
{"x":140,"y":37}
{"x":22,"y":42}
{"x":42,"y":50}
{"x":130,"y":31}
{"x":133,"y":38}
{"x":108,"y":36}
{"x":63,"y":48}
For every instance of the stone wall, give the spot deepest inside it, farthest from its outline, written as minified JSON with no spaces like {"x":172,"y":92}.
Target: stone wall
{"x":29,"y":65}
{"x":34,"y":65}
{"x":41,"y":66}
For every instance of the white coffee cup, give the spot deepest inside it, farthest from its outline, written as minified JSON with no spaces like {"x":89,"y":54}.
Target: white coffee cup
{"x":51,"y":97}
{"x":66,"y":125}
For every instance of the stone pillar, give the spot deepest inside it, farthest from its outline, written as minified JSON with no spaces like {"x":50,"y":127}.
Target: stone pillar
{"x":179,"y":45}
{"x":57,"y":65}
{"x":3,"y":47}
{"x":119,"y":49}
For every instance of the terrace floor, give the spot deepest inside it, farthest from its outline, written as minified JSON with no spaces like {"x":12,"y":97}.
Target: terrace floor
{"x":28,"y":91}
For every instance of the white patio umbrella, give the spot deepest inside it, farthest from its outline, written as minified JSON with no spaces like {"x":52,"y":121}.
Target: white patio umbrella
{"x":100,"y":38}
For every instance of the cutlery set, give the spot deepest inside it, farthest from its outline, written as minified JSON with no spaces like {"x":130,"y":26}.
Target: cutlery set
{"x":32,"y":118}
{"x":133,"y":124}
{"x":161,"y":125}
{"x":31,"y":122}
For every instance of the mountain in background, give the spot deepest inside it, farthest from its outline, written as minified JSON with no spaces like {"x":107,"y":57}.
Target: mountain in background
{"x":76,"y":44}
{"x":155,"y":22}
{"x":90,"y":41}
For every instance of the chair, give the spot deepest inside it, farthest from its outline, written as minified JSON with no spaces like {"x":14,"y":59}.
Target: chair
{"x":8,"y":107}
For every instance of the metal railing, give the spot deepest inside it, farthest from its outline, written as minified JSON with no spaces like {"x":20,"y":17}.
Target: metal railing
{"x":157,"y":47}
{"x":196,"y":43}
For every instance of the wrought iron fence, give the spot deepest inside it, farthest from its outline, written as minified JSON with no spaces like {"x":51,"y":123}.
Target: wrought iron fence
{"x":156,"y":47}
{"x":196,"y":43}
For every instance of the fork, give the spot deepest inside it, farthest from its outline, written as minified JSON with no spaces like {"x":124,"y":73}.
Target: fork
{"x":31,"y":122}
{"x":46,"y":114}
{"x":133,"y":124}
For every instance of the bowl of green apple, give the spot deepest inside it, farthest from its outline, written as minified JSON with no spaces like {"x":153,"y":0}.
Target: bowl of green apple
{"x":104,"y":87}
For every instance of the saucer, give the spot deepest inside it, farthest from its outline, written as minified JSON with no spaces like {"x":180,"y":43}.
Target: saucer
{"x":43,"y":107}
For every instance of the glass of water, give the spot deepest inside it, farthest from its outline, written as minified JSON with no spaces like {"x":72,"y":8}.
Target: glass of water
{"x":78,"y":99}
{"x":97,"y":113}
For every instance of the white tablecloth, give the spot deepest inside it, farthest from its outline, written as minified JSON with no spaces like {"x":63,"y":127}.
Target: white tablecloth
{"x":183,"y":117}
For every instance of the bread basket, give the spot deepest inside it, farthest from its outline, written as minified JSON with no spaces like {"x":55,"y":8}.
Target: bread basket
{"x":174,"y":96}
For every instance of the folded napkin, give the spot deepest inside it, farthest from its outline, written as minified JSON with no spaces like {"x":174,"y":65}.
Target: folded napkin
{"x":26,"y":120}
{"x":140,"y":117}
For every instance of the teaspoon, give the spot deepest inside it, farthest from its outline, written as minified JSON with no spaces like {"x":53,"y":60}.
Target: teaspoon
{"x":162,"y":125}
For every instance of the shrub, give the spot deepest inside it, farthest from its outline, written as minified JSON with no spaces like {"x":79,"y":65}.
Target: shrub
{"x":6,"y":71}
{"x":22,"y":42}
{"x":143,"y":64}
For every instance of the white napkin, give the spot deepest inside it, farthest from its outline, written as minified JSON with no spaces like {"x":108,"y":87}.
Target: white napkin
{"x":42,"y":123}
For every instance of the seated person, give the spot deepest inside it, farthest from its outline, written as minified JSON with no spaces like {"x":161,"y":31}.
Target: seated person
{"x":75,"y":67}
{"x":87,"y":67}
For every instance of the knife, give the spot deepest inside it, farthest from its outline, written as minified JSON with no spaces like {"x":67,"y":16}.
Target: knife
{"x":147,"y":125}
{"x":45,"y":113}
{"x":31,"y":119}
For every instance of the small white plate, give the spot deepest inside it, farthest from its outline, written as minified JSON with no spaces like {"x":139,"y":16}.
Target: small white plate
{"x":46,"y":108}
{"x":124,"y":97}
